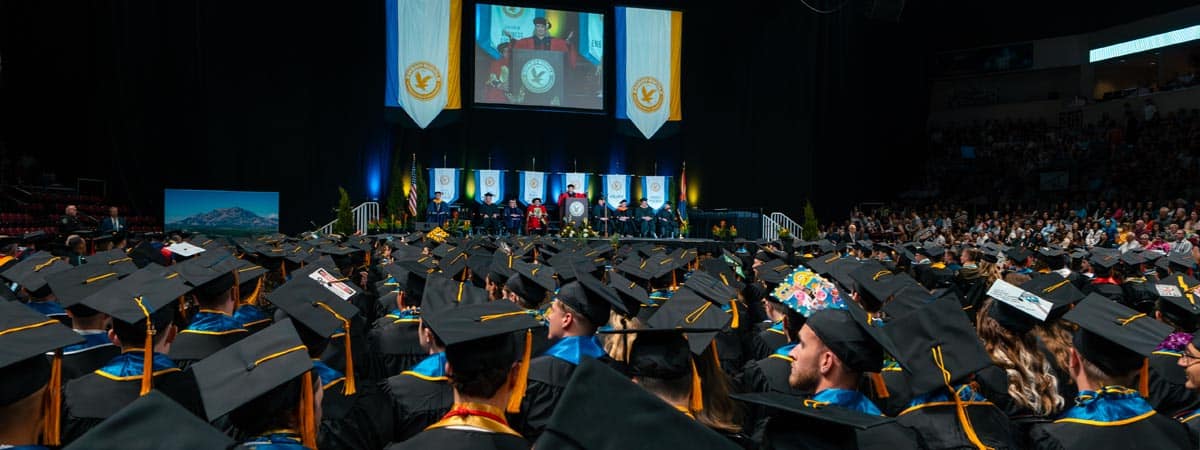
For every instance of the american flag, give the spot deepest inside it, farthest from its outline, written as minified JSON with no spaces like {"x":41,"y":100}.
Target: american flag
{"x":412,"y":188}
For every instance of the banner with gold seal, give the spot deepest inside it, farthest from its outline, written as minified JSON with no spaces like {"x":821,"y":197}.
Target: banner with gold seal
{"x":648,"y":60}
{"x":423,"y":42}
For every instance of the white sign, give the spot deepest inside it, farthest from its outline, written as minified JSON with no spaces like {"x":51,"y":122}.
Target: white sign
{"x":185,"y":249}
{"x":446,"y":182}
{"x":1020,"y":299}
{"x":332,"y":284}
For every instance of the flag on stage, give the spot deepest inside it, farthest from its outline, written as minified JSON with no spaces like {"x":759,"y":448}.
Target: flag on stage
{"x":489,"y":181}
{"x":423,"y":41}
{"x":445,"y":180}
{"x":412,"y":188}
{"x":616,"y":188}
{"x":533,"y":185}
{"x":654,"y":189}
{"x":683,"y":200}
{"x":648,"y":60}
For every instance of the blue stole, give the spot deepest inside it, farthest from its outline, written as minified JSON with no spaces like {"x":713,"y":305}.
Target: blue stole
{"x":572,"y":348}
{"x":784,"y":352}
{"x":328,"y":375}
{"x":659,"y":296}
{"x":49,"y":309}
{"x":1110,"y":406}
{"x":965,"y":393}
{"x":91,"y":339}
{"x":404,"y":316}
{"x":128,"y":366}
{"x":432,"y":368}
{"x":777,"y":328}
{"x":848,"y":399}
{"x":1025,"y":271}
{"x":954,"y":267}
{"x":250,"y":315}
{"x":282,"y":441}
{"x":208,"y":322}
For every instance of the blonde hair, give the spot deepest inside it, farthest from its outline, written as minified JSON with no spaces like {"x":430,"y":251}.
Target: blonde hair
{"x":617,"y":345}
{"x":1056,"y":335}
{"x":990,"y":271}
{"x":1032,"y":383}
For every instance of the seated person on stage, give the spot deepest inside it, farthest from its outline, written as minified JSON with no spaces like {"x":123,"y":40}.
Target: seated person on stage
{"x":536,"y":217}
{"x":487,"y":359}
{"x":29,"y":400}
{"x":624,"y":217}
{"x":645,"y":219}
{"x":69,"y":223}
{"x":1108,"y":352}
{"x":438,"y":211}
{"x":113,"y":223}
{"x":602,"y":219}
{"x":668,"y":226}
{"x":513,"y":216}
{"x":489,"y":215}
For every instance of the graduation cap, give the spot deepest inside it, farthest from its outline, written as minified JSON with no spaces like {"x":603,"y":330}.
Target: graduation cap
{"x":593,"y":299}
{"x":1177,"y":262}
{"x":618,"y":409}
{"x":876,"y":281}
{"x":688,"y":310}
{"x":773,"y":271}
{"x":937,"y":346}
{"x":1019,"y":310}
{"x":1104,"y":261}
{"x":667,"y":354}
{"x":634,"y":297}
{"x":211,"y":273}
{"x":531,"y":282}
{"x":932,"y":250}
{"x":116,"y":259}
{"x":1017,"y":254}
{"x":155,"y":418}
{"x":840,"y":271}
{"x":443,"y":293}
{"x":484,"y":336}
{"x":851,"y":337}
{"x":635,"y":268}
{"x":319,"y":306}
{"x":823,"y":264}
{"x":145,"y":253}
{"x":835,"y":422}
{"x":72,"y":286}
{"x":1133,"y":259}
{"x":717,"y":267}
{"x":136,"y":300}
{"x":25,"y":337}
{"x":32,"y":272}
{"x":480,"y":265}
{"x":1055,"y":289}
{"x":990,"y":254}
{"x":455,"y":265}
{"x":1114,"y":337}
{"x":252,"y":369}
{"x":1179,"y":302}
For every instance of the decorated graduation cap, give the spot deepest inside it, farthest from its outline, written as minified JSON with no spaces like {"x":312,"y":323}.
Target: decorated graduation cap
{"x":805,"y":293}
{"x":152,"y":418}
{"x":32,"y":272}
{"x":116,"y":259}
{"x":1178,"y":299}
{"x":252,"y":369}
{"x":591,"y":298}
{"x":25,"y":337}
{"x":1114,"y":337}
{"x":141,"y":300}
{"x":485,"y":336}
{"x":1055,"y":289}
{"x":1019,"y":310}
{"x":72,"y":286}
{"x":321,"y":306}
{"x":617,"y":409}
{"x":443,"y":293}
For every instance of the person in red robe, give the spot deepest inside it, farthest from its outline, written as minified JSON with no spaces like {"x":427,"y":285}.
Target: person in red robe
{"x":535,"y":217}
{"x":562,"y":199}
{"x":495,"y":89}
{"x":542,"y":41}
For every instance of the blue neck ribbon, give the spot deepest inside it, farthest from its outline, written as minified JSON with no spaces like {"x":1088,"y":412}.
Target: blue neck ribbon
{"x":282,"y":441}
{"x":214,"y":322}
{"x":965,"y":393}
{"x":433,"y":366}
{"x":248,"y":314}
{"x":1110,"y":404}
{"x":90,"y":341}
{"x":129,"y":364}
{"x":848,"y":399}
{"x":572,"y":348}
{"x":328,"y":375}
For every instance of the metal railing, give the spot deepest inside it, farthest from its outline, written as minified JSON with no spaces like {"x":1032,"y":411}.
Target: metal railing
{"x":363,"y":214}
{"x":770,"y":229}
{"x":786,"y":222}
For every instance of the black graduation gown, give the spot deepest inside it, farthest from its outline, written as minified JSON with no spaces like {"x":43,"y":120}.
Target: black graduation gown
{"x":784,"y":431}
{"x":335,"y":354}
{"x":80,"y":362}
{"x":417,"y":403}
{"x":1192,"y":420}
{"x":766,"y":342}
{"x":735,"y":347}
{"x":1139,"y":294}
{"x":939,"y":428}
{"x":899,"y":394}
{"x":395,"y":345}
{"x":548,"y":377}
{"x":360,"y":421}
{"x":90,"y":399}
{"x":1112,"y":292}
{"x":1157,"y":432}
{"x":1168,"y":394}
{"x":765,"y":375}
{"x":190,"y":346}
{"x":452,"y":439}
{"x":934,"y":277}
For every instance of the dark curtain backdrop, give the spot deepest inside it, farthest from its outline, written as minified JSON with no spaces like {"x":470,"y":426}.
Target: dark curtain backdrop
{"x":780,"y":104}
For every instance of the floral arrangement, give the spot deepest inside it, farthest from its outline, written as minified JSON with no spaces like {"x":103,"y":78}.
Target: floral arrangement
{"x":583,"y":231}
{"x":805,"y":292}
{"x":784,"y":233}
{"x":724,"y":233}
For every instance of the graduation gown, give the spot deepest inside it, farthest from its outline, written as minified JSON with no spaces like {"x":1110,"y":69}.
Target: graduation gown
{"x":769,"y":340}
{"x":209,"y":332}
{"x":91,"y":398}
{"x":1168,"y":393}
{"x":1115,"y":417}
{"x":87,"y":356}
{"x":359,"y":421}
{"x":898,"y":393}
{"x":1107,"y":287}
{"x":1139,"y":294}
{"x":394,"y":344}
{"x":287,"y":440}
{"x":786,"y":432}
{"x":548,"y":377}
{"x":769,"y":374}
{"x":934,"y":417}
{"x":735,"y":346}
{"x":252,"y":318}
{"x":488,"y":430}
{"x":419,"y":396}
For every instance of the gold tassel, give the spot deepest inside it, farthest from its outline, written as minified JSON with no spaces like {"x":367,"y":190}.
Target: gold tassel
{"x":147,"y":352}
{"x":959,"y":408}
{"x":349,"y":387}
{"x":50,"y":423}
{"x":253,"y":299}
{"x":696,"y":403}
{"x":716,"y":358}
{"x":1144,"y":378}
{"x":518,"y":392}
{"x":733,"y":307}
{"x":881,"y":390}
{"x":308,"y":422}
{"x":237,"y":290}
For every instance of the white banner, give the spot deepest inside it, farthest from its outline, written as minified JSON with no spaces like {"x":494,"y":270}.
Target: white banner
{"x":655,"y":191}
{"x":578,"y":179}
{"x":533,"y":185}
{"x":423,"y":70}
{"x":648,"y":64}
{"x":515,"y":21}
{"x":616,"y":188}
{"x":489,"y":181}
{"x":446,"y":182}
{"x":1021,"y":300}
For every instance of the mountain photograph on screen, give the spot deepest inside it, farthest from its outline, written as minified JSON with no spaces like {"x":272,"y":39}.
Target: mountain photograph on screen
{"x":221,"y":213}
{"x":539,"y":57}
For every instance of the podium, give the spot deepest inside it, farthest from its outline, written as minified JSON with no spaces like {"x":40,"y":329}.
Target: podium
{"x":575,"y":211}
{"x":539,"y":76}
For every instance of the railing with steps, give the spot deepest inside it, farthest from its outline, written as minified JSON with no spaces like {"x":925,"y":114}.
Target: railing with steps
{"x":786,"y":222}
{"x":363,"y":214}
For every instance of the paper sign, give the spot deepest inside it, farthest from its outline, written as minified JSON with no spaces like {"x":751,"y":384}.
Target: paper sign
{"x":1020,"y":299}
{"x":185,"y":249}
{"x":333,"y":284}
{"x":1166,"y":290}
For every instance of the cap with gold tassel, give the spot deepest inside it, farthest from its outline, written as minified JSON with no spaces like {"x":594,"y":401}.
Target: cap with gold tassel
{"x":26,"y":336}
{"x":317,"y":306}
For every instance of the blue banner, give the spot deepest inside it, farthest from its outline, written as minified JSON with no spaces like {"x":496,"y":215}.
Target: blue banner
{"x":444,"y":180}
{"x":616,"y":188}
{"x":654,"y":189}
{"x":489,"y":181}
{"x":533,"y":185}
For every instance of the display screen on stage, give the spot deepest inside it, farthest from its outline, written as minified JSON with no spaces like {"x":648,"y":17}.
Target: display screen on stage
{"x":221,"y":213}
{"x":539,"y":57}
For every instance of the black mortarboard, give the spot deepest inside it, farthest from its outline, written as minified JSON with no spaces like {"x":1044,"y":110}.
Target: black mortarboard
{"x":667,"y":354}
{"x":1115,"y":338}
{"x":145,"y":253}
{"x":480,"y":265}
{"x":150,"y":422}
{"x":311,"y":303}
{"x":443,"y":293}
{"x":686,"y":309}
{"x":720,"y":269}
{"x":934,"y":343}
{"x":711,"y":288}
{"x":773,"y":271}
{"x":32,"y":272}
{"x":502,"y":266}
{"x":116,"y":259}
{"x":250,"y":368}
{"x":876,"y":281}
{"x":823,"y":413}
{"x":635,"y":268}
{"x":142,"y":293}
{"x":25,"y":337}
{"x":454,"y":265}
{"x":590,"y":297}
{"x":531,"y":281}
{"x":633,"y":296}
{"x":1180,"y":262}
{"x":1017,"y":254}
{"x":72,"y":286}
{"x":840,"y":271}
{"x":618,"y":409}
{"x":1017,"y":313}
{"x":932,"y":250}
{"x":1133,"y":259}
{"x":822,"y":265}
{"x":849,"y":339}
{"x":1104,"y":261}
{"x":1056,"y":289}
{"x":1179,"y":302}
